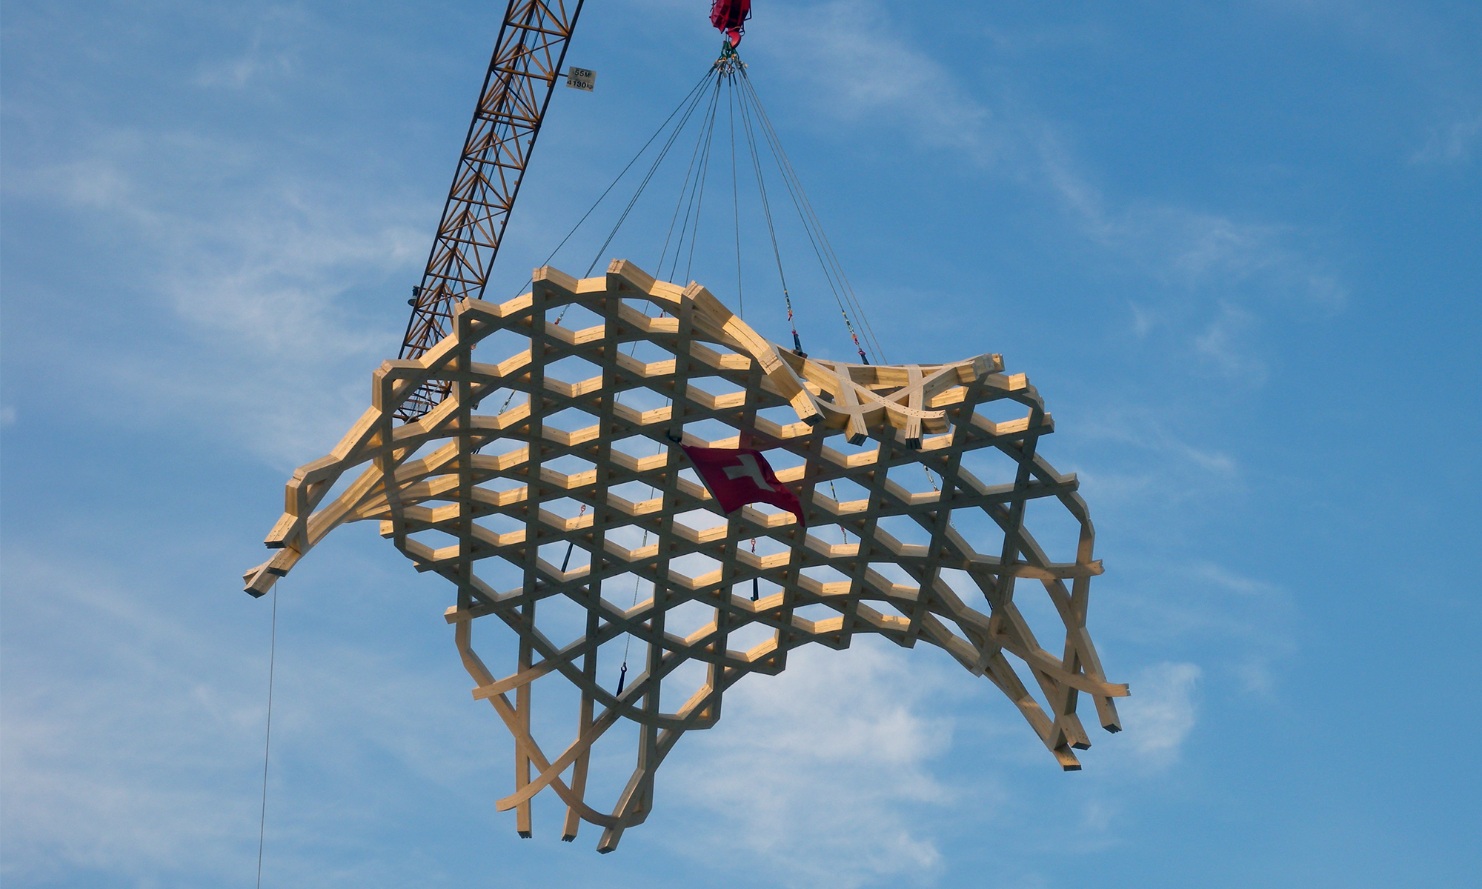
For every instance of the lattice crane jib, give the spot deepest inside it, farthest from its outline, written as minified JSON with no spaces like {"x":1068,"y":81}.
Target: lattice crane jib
{"x":517,"y":90}
{"x":552,"y":489}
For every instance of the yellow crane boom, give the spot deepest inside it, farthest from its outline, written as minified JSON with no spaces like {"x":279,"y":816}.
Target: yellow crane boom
{"x":517,"y":89}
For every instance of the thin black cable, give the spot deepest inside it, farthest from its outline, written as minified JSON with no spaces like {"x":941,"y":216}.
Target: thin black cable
{"x":262,"y":821}
{"x":687,"y":105}
{"x":735,"y":193}
{"x":761,"y":185}
{"x":678,"y":203}
{"x":698,"y":195}
{"x":693,"y":100}
{"x":687,"y":186}
{"x":813,"y":223}
{"x":613,"y":184}
{"x":830,"y":270}
{"x":592,"y":209}
{"x":637,"y":582}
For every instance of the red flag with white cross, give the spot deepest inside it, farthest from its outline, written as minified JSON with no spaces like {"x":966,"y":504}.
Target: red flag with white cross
{"x":738,"y":476}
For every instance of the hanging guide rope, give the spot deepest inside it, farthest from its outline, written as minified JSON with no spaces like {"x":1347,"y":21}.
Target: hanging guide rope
{"x":267,"y":741}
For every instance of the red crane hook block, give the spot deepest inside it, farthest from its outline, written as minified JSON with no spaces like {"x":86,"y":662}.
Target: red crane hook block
{"x":729,"y":16}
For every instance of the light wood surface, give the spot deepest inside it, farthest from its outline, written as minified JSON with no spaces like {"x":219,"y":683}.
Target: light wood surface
{"x":559,"y":441}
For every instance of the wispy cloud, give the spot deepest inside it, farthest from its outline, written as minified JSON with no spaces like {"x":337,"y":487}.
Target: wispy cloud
{"x":272,"y":53}
{"x":1450,"y":144}
{"x":1221,"y":345}
{"x":1239,"y":627}
{"x":1148,"y":459}
{"x":1162,"y":713}
{"x":1259,"y":616}
{"x":118,"y":761}
{"x":261,"y":282}
{"x":860,"y":68}
{"x":1431,"y":47}
{"x":1213,"y":267}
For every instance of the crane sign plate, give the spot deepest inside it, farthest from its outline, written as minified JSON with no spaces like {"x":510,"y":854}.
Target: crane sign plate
{"x":581,"y":78}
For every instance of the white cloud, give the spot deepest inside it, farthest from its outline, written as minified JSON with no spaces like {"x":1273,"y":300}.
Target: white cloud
{"x":823,"y":772}
{"x":1162,"y":712}
{"x":1450,"y":144}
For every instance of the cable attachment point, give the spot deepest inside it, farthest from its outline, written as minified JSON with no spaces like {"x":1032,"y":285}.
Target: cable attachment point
{"x":797,"y":343}
{"x":729,"y":60}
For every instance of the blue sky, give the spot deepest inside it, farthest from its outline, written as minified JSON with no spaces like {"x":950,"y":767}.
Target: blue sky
{"x":1236,"y":246}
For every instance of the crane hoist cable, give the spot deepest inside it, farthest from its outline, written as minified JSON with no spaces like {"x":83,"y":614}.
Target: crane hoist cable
{"x":729,"y":55}
{"x":688,"y":105}
{"x":736,"y":206}
{"x":693,"y":188}
{"x":733,"y":71}
{"x":683,"y":105}
{"x":833,"y":269}
{"x":748,"y":122}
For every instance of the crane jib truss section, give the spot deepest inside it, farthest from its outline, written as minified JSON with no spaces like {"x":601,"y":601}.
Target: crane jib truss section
{"x":522,"y":75}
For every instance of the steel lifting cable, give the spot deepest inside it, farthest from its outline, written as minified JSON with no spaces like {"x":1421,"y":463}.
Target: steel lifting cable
{"x":687,"y":101}
{"x":685,"y":110}
{"x":267,"y":742}
{"x":693,"y":187}
{"x":686,"y":105}
{"x":753,"y":117}
{"x":691,"y":101}
{"x":813,"y":226}
{"x":761,"y":184}
{"x":699,"y":200}
{"x":691,"y":199}
{"x":736,"y":204}
{"x":812,"y":221}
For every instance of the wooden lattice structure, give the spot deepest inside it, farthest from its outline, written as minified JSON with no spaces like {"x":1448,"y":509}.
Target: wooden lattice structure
{"x":551,"y":489}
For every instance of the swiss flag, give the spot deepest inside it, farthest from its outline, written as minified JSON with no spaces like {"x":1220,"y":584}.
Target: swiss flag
{"x":740,"y":476}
